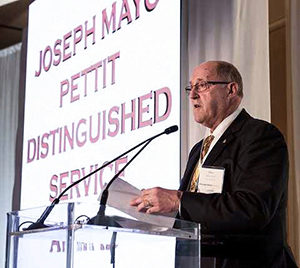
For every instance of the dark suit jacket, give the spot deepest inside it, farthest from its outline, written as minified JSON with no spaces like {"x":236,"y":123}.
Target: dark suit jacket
{"x":247,"y":220}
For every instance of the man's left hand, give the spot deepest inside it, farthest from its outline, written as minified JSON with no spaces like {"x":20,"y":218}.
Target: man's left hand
{"x":157,"y":200}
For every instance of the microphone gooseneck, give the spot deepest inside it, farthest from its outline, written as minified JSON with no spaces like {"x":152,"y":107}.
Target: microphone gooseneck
{"x":40,"y":222}
{"x":100,"y":218}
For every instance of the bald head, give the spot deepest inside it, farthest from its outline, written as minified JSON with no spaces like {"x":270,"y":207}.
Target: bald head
{"x":228,"y":72}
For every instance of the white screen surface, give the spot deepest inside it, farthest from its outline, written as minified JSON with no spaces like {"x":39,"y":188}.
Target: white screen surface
{"x":101,"y":77}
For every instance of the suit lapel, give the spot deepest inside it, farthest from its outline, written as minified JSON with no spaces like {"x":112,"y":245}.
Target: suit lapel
{"x":218,"y":148}
{"x":227,"y":137}
{"x":190,"y":168}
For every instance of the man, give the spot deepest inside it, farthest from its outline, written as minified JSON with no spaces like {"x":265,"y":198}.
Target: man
{"x":244,"y":204}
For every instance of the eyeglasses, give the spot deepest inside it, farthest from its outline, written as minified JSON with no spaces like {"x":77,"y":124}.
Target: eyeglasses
{"x":204,"y":85}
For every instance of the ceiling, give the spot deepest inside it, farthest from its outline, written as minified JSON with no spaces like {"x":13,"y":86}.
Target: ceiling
{"x":13,"y":18}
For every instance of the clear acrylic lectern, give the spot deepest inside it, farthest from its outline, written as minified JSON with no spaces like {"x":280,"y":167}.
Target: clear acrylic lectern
{"x":69,"y":241}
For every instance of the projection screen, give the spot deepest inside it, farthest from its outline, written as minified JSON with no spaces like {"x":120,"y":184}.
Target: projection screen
{"x":101,"y":77}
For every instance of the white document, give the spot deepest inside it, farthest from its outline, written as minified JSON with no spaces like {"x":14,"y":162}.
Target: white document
{"x":211,"y":180}
{"x":121,"y":193}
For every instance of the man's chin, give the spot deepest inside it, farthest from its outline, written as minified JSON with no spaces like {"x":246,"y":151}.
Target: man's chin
{"x":199,"y":120}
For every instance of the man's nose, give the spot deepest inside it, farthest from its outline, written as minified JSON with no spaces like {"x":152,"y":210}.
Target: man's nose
{"x":193,"y":94}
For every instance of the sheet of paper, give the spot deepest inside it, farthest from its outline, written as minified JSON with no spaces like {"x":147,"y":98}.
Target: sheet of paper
{"x":120,"y":195}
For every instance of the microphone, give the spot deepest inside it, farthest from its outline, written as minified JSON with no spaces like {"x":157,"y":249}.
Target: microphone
{"x":40,"y":222}
{"x":171,"y":129}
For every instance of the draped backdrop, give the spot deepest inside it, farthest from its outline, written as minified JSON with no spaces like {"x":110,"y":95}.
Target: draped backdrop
{"x":9,"y":94}
{"x":230,"y":30}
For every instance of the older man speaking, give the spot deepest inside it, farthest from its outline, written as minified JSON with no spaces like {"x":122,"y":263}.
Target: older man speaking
{"x":235,"y":182}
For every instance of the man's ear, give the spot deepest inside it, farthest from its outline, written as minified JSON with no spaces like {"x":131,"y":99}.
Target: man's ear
{"x":233,"y":89}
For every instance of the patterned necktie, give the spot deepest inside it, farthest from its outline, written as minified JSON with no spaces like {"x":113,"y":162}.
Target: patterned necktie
{"x":207,"y":142}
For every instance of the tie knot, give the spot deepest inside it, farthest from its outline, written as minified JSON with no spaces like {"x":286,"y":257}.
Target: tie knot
{"x":206,"y":143}
{"x":209,"y":139}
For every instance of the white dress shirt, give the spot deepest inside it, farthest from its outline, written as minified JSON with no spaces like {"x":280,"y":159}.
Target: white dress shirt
{"x":220,"y":129}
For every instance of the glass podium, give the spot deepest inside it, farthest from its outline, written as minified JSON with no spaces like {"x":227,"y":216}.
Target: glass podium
{"x":68,"y":240}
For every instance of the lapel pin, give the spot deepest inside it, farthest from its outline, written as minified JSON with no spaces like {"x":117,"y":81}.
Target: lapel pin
{"x":224,"y":141}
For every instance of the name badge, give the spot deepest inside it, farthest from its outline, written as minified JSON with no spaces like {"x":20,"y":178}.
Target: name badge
{"x":211,"y":180}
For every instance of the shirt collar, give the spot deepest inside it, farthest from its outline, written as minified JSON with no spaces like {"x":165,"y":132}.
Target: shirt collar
{"x":221,"y":128}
